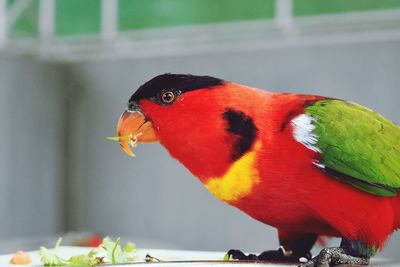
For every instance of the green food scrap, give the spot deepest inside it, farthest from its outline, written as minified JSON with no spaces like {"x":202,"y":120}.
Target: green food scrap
{"x":50,"y":257}
{"x":114,"y":255}
{"x":118,"y":255}
{"x":86,"y":260}
{"x":119,"y":138}
{"x":130,"y":247}
{"x":227,"y":257}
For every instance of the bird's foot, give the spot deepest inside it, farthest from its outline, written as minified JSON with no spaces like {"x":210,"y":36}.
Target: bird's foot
{"x":279,"y":255}
{"x":334,"y":256}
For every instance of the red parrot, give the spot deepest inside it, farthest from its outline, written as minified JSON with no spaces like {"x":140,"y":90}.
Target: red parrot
{"x":307,"y":165}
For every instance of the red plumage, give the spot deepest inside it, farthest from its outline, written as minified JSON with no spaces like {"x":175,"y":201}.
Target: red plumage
{"x":293,"y":195}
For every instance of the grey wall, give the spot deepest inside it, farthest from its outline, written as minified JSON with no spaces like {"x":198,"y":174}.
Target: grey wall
{"x":32,"y":133}
{"x":59,"y":172}
{"x":154,"y":196}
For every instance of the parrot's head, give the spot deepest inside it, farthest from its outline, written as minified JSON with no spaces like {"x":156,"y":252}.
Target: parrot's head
{"x":198,"y":119}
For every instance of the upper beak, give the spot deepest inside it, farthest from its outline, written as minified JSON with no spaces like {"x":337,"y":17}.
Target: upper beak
{"x":133,"y":127}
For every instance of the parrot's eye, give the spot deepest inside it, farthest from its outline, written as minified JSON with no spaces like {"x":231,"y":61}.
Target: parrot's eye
{"x":168,"y":97}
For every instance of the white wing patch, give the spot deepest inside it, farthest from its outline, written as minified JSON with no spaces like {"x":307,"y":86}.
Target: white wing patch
{"x":319,"y":164}
{"x":303,"y":131}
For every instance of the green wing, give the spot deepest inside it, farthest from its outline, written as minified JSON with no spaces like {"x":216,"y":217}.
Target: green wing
{"x":357,"y":145}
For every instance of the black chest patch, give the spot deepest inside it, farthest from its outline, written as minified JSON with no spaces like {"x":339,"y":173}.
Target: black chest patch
{"x":243,"y":130}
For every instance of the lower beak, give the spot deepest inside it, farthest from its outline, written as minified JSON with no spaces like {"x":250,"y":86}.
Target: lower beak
{"x":133,"y":127}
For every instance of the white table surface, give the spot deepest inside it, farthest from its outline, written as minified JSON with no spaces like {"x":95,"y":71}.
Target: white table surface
{"x":168,"y":255}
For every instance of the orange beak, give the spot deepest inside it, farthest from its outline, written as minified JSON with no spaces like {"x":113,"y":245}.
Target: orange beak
{"x":133,"y":127}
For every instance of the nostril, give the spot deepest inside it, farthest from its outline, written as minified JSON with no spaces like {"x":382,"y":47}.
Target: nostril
{"x":132,"y":106}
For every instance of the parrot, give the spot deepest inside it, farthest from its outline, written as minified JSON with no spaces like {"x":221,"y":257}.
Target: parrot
{"x":309,"y":166}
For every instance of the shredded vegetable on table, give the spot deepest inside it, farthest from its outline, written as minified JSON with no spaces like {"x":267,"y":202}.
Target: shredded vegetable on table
{"x":109,"y":252}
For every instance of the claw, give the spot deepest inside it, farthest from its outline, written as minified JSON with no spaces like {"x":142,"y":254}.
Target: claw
{"x":236,"y":254}
{"x":279,"y":255}
{"x":329,"y":257}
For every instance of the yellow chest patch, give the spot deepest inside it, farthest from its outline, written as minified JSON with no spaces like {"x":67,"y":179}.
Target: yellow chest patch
{"x":239,"y":179}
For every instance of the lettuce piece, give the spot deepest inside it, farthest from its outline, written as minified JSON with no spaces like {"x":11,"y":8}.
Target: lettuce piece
{"x":118,"y":255}
{"x":50,"y":257}
{"x":115,"y":255}
{"x":226,"y":257}
{"x":89,"y":259}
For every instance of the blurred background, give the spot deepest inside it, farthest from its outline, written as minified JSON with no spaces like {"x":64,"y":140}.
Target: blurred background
{"x":68,"y":67}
